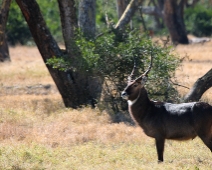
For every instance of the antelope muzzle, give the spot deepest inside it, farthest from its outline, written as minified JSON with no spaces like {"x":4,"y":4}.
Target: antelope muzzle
{"x":124,"y":95}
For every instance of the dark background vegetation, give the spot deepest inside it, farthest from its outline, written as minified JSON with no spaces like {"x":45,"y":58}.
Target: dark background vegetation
{"x":198,"y":20}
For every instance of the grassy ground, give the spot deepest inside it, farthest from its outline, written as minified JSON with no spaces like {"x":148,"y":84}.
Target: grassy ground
{"x":198,"y":63}
{"x":38,"y":132}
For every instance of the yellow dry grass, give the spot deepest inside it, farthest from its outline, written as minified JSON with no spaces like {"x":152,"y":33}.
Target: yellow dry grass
{"x":38,"y":132}
{"x":198,"y":63}
{"x":26,"y":68}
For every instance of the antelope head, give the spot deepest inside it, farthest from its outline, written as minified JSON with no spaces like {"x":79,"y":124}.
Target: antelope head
{"x":132,"y":91}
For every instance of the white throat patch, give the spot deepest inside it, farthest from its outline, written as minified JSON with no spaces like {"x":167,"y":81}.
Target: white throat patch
{"x":130,"y":103}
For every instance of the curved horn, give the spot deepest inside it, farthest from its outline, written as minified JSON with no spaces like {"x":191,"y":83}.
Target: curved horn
{"x":133,"y":71}
{"x":150,"y":66}
{"x":148,"y":70}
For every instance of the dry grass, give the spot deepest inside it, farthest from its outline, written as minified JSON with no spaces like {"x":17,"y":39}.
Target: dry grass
{"x":38,"y":132}
{"x":196,"y":66}
{"x":26,"y":68}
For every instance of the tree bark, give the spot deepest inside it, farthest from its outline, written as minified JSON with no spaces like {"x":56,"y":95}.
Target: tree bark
{"x":73,"y":93}
{"x":85,"y":88}
{"x":151,"y":10}
{"x":4,"y":12}
{"x":199,"y":87}
{"x":173,"y":17}
{"x":87,"y":18}
{"x":156,"y":11}
{"x":161,"y":4}
{"x":128,"y":13}
{"x":68,"y":17}
{"x":120,"y":6}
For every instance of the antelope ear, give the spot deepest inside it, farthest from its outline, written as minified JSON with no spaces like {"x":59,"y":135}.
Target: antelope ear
{"x":144,"y":80}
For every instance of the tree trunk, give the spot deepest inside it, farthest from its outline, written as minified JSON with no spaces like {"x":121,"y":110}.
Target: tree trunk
{"x":160,"y":5}
{"x":87,"y":17}
{"x":120,"y":6}
{"x":199,"y":87}
{"x":156,"y":11}
{"x":90,"y":86}
{"x":68,"y":17}
{"x":151,"y":10}
{"x":173,"y":17}
{"x":73,"y":86}
{"x":4,"y":11}
{"x":128,"y":13}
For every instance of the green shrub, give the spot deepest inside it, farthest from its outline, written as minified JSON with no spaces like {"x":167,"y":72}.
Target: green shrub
{"x":18,"y":31}
{"x":198,"y":20}
{"x":17,"y":28}
{"x":112,"y":58}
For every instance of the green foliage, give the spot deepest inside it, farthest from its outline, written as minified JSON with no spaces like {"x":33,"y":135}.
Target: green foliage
{"x":51,"y":14}
{"x":58,"y":63}
{"x":105,"y":7}
{"x":114,"y":59}
{"x":18,"y":31}
{"x":198,"y":20}
{"x":17,"y":28}
{"x":111,"y":57}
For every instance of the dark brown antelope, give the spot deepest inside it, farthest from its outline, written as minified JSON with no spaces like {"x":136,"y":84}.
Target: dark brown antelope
{"x":162,"y":120}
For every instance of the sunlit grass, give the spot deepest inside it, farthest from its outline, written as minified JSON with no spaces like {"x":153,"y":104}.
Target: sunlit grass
{"x":97,"y":156}
{"x":26,"y":68}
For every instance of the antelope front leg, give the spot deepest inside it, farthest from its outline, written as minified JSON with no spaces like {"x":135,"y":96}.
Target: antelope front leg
{"x":160,"y":148}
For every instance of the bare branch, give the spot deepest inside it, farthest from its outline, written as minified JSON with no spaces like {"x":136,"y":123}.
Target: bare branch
{"x":151,"y":11}
{"x":176,"y":84}
{"x":199,"y":87}
{"x":128,"y":13}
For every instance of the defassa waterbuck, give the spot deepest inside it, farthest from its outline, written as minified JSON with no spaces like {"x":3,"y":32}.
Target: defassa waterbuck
{"x":162,"y":120}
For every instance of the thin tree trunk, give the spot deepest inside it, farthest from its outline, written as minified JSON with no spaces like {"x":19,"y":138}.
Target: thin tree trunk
{"x":87,"y":24}
{"x":161,"y":4}
{"x":173,"y":16}
{"x":72,"y":85}
{"x":68,"y":16}
{"x":200,"y":87}
{"x":120,"y":6}
{"x":87,"y":17}
{"x":160,"y":24}
{"x":85,"y":87}
{"x":128,"y":13}
{"x":4,"y":12}
{"x":151,"y":10}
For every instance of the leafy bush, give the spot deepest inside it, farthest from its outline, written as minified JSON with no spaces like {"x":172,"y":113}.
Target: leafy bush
{"x":17,"y":28}
{"x":18,"y":31}
{"x":51,"y":14}
{"x":112,"y":58}
{"x":198,"y":20}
